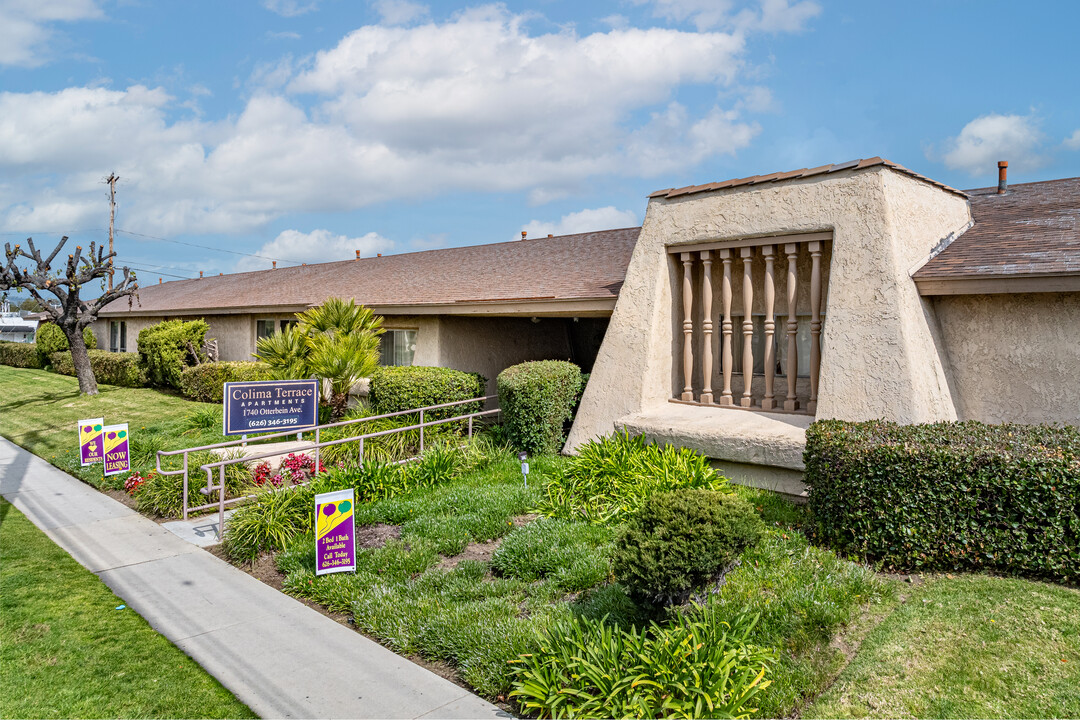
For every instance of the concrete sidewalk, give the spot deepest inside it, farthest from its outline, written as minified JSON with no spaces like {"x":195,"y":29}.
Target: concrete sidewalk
{"x":275,"y":654}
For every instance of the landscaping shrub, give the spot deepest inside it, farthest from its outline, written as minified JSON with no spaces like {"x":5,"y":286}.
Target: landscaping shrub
{"x":20,"y":355}
{"x":406,"y":387}
{"x":201,"y":420}
{"x":685,"y":668}
{"x":536,"y":399}
{"x":612,"y":476}
{"x":166,"y":349}
{"x":949,"y":496}
{"x":679,"y":541}
{"x":164,"y":494}
{"x":51,"y":339}
{"x":123,"y":369}
{"x":268,"y":523}
{"x":206,"y":381}
{"x":573,"y":554}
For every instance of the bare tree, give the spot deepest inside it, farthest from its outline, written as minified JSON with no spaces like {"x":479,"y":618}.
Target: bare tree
{"x":73,"y":313}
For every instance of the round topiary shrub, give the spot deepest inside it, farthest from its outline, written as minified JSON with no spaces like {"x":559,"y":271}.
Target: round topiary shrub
{"x":51,"y":339}
{"x":679,"y":541}
{"x":536,"y":399}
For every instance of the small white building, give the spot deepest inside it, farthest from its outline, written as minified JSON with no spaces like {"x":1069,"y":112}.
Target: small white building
{"x":15,"y":327}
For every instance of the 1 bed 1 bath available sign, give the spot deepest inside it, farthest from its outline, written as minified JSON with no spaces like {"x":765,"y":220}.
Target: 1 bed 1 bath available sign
{"x":254,"y":407}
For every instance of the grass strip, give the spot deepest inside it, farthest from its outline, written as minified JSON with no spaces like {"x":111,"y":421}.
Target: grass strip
{"x":66,"y":651}
{"x":967,"y":646}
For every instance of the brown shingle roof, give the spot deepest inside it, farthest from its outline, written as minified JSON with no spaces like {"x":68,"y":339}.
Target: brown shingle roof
{"x":569,"y":267}
{"x":1033,"y":229}
{"x":803,"y":173}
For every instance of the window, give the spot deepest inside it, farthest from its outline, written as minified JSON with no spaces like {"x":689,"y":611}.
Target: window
{"x":263,"y":328}
{"x":117,"y":336}
{"x":396,"y":347}
{"x":286,"y":324}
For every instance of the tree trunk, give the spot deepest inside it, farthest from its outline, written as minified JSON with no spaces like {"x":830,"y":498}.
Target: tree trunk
{"x":81,"y":359}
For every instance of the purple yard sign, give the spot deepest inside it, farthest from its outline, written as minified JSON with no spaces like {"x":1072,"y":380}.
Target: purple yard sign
{"x":91,"y":441}
{"x":335,"y":533}
{"x":117,"y":457}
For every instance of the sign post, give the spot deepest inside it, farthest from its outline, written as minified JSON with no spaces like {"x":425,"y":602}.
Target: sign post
{"x":91,"y":442}
{"x":266,"y":406}
{"x":117,"y":454}
{"x":335,"y":532}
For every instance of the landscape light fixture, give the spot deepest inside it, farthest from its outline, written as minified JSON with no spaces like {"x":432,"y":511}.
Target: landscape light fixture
{"x":523,"y":457}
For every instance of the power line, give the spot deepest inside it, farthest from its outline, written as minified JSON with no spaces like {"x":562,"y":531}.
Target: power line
{"x":159,"y":272}
{"x":204,"y":247}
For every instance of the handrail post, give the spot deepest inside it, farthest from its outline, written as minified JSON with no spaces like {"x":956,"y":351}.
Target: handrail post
{"x":421,"y":430}
{"x":470,"y":426}
{"x":221,"y":503}
{"x":185,"y":486}
{"x":317,"y":448}
{"x":360,"y":458}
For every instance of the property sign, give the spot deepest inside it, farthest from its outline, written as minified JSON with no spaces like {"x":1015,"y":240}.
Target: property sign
{"x":117,"y":454}
{"x":91,"y":447}
{"x":335,"y":532}
{"x":253,"y":407}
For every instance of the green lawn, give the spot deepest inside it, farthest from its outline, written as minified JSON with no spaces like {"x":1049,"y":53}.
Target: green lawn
{"x":41,"y":411}
{"x":967,"y":646}
{"x":65,"y":651}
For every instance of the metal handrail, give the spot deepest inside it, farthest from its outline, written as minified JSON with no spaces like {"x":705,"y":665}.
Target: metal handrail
{"x":317,"y":446}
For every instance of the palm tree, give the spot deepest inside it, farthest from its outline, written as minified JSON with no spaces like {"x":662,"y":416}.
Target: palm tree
{"x":337,"y":342}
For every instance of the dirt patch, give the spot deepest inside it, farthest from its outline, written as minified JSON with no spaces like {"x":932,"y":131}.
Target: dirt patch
{"x":370,"y":537}
{"x":523,"y":519}
{"x":481,"y":551}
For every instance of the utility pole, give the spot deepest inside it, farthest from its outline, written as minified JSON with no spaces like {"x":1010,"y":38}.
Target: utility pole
{"x":113,"y":177}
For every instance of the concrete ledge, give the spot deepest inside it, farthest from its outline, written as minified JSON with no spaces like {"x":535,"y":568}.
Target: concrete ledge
{"x":772,"y":440}
{"x":779,"y":480}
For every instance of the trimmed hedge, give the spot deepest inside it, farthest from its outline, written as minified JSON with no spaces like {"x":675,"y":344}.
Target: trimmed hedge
{"x":679,"y":541}
{"x":395,"y":388}
{"x":536,"y":399}
{"x":109,"y":368}
{"x":20,"y":355}
{"x":949,"y":496}
{"x":51,"y":339}
{"x":205,"y":382}
{"x":164,"y":349}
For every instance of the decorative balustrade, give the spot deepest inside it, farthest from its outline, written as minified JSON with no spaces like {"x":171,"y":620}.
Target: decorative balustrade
{"x":759,"y":284}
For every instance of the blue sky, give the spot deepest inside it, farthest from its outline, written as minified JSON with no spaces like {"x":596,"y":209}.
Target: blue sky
{"x":302,"y":130}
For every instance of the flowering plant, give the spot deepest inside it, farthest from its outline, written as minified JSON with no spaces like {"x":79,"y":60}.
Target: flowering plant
{"x":295,"y":468}
{"x":135,"y":481}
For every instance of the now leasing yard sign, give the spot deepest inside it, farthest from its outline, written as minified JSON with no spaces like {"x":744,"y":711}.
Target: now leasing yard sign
{"x":254,"y":407}
{"x":117,"y":456}
{"x":335,"y":532}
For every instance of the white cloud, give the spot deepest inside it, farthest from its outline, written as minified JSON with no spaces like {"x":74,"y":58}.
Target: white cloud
{"x":770,"y":15}
{"x":314,"y":247}
{"x":290,"y":8}
{"x":1073,"y":141}
{"x":26,"y":33}
{"x":400,"y":12}
{"x":987,"y":139}
{"x":605,"y":218}
{"x":476,"y":103}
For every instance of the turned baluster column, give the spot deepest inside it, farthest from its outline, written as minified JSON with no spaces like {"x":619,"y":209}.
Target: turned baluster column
{"x":768,"y":402}
{"x":747,"y":255}
{"x":815,"y":322}
{"x":687,"y":326}
{"x":791,"y":403}
{"x":726,"y":327}
{"x":707,"y":325}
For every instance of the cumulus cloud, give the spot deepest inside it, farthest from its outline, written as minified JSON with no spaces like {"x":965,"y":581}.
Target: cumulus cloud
{"x":987,"y":139}
{"x":605,"y":218}
{"x":290,"y":8}
{"x":475,"y":103}
{"x":1073,"y":141}
{"x":767,"y":15}
{"x":317,"y":246}
{"x":26,"y":32}
{"x":400,"y":12}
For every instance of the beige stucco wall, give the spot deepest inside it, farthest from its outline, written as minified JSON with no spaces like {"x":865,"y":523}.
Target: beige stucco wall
{"x":879,"y":357}
{"x":490,"y":345}
{"x":1013,"y":358}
